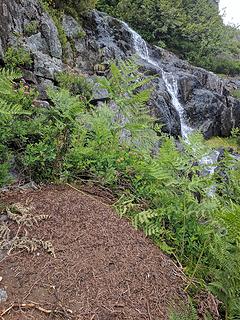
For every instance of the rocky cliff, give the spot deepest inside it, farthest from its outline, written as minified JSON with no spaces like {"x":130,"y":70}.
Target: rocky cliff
{"x":205,"y":98}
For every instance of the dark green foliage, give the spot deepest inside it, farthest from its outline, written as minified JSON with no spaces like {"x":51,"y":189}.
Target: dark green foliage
{"x":75,"y":83}
{"x":31,"y":28}
{"x":223,"y":66}
{"x":17,"y":57}
{"x":80,"y":6}
{"x":13,"y":101}
{"x":43,"y":157}
{"x":193,"y":29}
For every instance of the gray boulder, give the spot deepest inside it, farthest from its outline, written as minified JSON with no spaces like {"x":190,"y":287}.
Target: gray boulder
{"x":36,"y":43}
{"x":46,"y":66}
{"x":50,"y":33}
{"x":71,"y":27}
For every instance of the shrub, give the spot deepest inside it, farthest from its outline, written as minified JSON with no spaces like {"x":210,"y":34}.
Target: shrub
{"x":80,"y":6}
{"x":31,"y":28}
{"x":77,"y":84}
{"x":17,"y":57}
{"x":236,"y":93}
{"x":223,"y":66}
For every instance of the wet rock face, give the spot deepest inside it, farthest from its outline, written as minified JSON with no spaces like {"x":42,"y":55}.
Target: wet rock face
{"x":204,"y":96}
{"x":204,"y":111}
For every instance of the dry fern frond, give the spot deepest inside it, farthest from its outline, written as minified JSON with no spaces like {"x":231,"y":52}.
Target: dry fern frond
{"x":4,"y":231}
{"x":23,"y":217}
{"x":31,"y":245}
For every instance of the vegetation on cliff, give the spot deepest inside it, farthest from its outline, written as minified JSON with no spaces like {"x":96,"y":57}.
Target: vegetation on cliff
{"x":192,"y":29}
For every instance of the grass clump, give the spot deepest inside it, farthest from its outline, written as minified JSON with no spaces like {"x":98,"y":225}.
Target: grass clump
{"x":77,"y":84}
{"x":31,"y":28}
{"x":232,"y":142}
{"x":236,"y":93}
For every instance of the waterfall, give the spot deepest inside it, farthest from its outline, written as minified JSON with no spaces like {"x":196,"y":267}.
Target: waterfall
{"x":171,"y":84}
{"x":172,"y":88}
{"x":170,"y":81}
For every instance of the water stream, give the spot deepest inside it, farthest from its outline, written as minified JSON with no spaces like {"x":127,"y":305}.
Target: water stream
{"x":171,"y":84}
{"x":170,"y":81}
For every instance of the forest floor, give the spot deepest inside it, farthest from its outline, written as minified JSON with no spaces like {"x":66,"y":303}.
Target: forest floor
{"x":99,"y":268}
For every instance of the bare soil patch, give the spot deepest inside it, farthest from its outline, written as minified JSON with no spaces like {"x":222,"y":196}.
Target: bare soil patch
{"x":103,"y":269}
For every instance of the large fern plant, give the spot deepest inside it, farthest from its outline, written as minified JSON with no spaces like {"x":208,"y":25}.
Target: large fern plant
{"x":8,"y":97}
{"x":14,"y":101}
{"x":129,"y":92}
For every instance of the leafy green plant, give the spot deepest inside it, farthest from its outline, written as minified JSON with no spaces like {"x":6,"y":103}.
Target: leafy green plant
{"x":236,"y":93}
{"x":189,"y":313}
{"x":31,"y":28}
{"x":77,"y":84}
{"x":43,"y":158}
{"x":13,"y":102}
{"x":235,"y":133}
{"x":17,"y":57}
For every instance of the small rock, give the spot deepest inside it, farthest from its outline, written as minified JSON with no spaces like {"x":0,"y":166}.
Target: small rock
{"x":41,"y":103}
{"x":1,"y":49}
{"x":30,"y":185}
{"x":29,"y":76}
{"x":71,"y":27}
{"x":45,"y":66}
{"x":3,"y":217}
{"x":3,"y":295}
{"x":37,"y":43}
{"x":50,"y":33}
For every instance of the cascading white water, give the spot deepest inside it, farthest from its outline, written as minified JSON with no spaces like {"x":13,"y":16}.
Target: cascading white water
{"x":210,"y":160}
{"x":172,"y":88}
{"x":141,"y":49}
{"x":171,"y":84}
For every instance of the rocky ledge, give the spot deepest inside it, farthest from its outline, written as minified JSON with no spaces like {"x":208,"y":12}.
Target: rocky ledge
{"x":205,"y":97}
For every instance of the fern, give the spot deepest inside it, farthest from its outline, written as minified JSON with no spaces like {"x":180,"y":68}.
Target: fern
{"x":129,"y":91}
{"x":11,"y":100}
{"x":8,"y":109}
{"x":23,"y":217}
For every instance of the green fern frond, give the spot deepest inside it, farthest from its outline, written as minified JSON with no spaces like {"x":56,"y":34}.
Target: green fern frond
{"x":10,"y":109}
{"x":11,"y":100}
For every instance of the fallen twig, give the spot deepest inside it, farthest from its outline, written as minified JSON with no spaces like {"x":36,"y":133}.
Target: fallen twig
{"x":32,"y":305}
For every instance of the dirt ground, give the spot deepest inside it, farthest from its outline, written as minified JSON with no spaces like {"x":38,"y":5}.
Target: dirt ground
{"x":101,"y":269}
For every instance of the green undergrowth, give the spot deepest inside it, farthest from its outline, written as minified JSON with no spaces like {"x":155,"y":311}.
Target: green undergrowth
{"x":163,"y":190}
{"x":193,"y":29}
{"x":236,"y":93}
{"x":17,"y":57}
{"x":219,"y":142}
